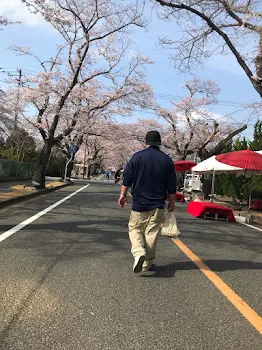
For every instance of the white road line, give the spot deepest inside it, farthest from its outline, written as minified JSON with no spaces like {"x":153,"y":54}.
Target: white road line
{"x":242,"y":220}
{"x":251,"y":226}
{"x":18,"y":227}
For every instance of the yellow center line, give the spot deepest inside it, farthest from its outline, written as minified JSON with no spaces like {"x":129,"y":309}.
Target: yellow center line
{"x":239,"y":303}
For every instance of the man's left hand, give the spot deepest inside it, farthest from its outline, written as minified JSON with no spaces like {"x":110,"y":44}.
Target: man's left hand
{"x":171,"y":206}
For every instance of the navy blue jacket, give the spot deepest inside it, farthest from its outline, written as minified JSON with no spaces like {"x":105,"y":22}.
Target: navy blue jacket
{"x":151,"y":174}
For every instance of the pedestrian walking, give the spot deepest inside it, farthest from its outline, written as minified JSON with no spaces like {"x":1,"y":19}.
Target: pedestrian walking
{"x":117,"y":176}
{"x":107,"y":174}
{"x":152,"y":176}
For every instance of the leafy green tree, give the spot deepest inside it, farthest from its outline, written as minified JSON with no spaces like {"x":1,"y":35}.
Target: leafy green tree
{"x":239,"y":187}
{"x":240,"y":144}
{"x":19,"y":146}
{"x":256,"y":144}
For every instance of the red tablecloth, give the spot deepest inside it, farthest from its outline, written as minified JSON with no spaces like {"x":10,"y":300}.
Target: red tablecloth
{"x":179,"y":197}
{"x":199,"y":209}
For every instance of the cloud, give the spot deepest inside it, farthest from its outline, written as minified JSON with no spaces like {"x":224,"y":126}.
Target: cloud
{"x":15,"y":10}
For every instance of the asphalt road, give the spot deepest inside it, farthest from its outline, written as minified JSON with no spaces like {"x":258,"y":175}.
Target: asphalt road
{"x":67,"y":280}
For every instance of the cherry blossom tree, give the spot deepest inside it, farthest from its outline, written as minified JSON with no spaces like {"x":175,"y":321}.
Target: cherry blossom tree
{"x":192,"y":128}
{"x":137,"y":131}
{"x":90,"y":60}
{"x":90,"y":155}
{"x":114,"y":143}
{"x":121,"y":147}
{"x":7,"y":113}
{"x":3,"y":21}
{"x":213,"y":27}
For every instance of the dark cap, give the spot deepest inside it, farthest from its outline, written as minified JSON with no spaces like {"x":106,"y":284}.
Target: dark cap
{"x":153,"y":138}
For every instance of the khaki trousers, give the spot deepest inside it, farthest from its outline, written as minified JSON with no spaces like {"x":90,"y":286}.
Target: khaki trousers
{"x":143,"y":233}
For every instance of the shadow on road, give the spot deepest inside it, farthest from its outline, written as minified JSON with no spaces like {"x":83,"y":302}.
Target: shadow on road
{"x":168,"y":271}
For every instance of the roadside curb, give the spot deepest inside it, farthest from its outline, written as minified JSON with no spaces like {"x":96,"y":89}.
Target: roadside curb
{"x":22,"y":198}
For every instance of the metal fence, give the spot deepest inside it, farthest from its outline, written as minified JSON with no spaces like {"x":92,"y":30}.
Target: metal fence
{"x":14,"y":169}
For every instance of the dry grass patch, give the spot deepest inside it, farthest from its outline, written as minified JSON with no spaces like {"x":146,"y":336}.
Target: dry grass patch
{"x":14,"y":194}
{"x":21,"y":190}
{"x":54,"y":184}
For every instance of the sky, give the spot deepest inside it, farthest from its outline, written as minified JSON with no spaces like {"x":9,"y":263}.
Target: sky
{"x":164,"y":78}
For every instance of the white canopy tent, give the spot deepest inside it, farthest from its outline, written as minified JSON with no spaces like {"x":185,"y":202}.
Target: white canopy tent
{"x":212,"y":166}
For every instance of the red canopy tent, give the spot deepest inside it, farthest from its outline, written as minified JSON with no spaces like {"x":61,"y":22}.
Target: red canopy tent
{"x":248,"y":160}
{"x":183,"y":165}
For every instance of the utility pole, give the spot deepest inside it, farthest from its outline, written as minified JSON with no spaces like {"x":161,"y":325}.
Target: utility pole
{"x":19,"y":83}
{"x":84,"y":171}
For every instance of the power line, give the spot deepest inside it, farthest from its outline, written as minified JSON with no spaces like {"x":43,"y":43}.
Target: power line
{"x":14,"y":69}
{"x":11,"y":72}
{"x":176,"y":97}
{"x":158,"y":95}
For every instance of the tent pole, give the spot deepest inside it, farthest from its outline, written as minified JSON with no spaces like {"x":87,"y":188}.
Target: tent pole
{"x":213,"y":186}
{"x":242,"y":194}
{"x":250,"y":198}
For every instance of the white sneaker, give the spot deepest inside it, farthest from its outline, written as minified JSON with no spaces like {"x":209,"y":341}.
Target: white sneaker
{"x":139,"y":260}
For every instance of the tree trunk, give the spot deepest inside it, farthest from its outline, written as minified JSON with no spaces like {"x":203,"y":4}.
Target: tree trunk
{"x":40,"y":172}
{"x":93,"y":169}
{"x":89,"y":171}
{"x":84,"y":172}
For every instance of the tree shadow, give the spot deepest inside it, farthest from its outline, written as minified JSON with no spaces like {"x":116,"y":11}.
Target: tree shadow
{"x":169,"y":271}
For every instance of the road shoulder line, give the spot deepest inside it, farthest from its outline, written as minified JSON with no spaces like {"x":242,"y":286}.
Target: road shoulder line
{"x":20,"y":226}
{"x":240,"y":304}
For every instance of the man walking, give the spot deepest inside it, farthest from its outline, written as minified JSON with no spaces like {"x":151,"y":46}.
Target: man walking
{"x":152,"y":176}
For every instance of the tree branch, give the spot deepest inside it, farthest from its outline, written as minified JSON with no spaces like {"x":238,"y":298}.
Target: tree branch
{"x":211,"y":24}
{"x":204,"y":154}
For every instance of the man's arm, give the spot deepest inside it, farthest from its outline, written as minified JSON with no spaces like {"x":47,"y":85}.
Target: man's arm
{"x":124,"y":190}
{"x":171,"y":185}
{"x":127,"y":182}
{"x":128,"y":175}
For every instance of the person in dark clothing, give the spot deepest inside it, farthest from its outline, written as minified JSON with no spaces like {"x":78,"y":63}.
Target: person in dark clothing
{"x":151,"y":175}
{"x":117,"y":176}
